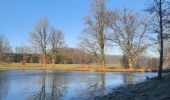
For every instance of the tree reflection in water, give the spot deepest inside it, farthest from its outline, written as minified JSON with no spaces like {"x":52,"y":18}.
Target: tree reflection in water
{"x":128,"y":78}
{"x":4,"y":85}
{"x":99,"y":85}
{"x":57,"y":91}
{"x":54,"y":94}
{"x":40,"y":93}
{"x":48,"y":89}
{"x":60,"y":85}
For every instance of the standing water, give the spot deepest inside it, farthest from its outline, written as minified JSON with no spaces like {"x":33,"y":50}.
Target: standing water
{"x":61,"y":85}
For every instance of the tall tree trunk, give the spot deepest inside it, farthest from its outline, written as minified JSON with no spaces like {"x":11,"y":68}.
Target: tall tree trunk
{"x":102,"y":59}
{"x":129,"y":58}
{"x":44,"y":59}
{"x":129,"y":62}
{"x":53,"y":57}
{"x":161,"y":41}
{"x":53,"y":60}
{"x":102,"y":46}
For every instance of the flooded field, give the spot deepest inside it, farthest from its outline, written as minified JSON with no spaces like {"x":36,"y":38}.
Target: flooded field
{"x":61,"y":85}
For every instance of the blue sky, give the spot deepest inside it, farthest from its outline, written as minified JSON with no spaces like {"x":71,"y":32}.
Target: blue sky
{"x":18,"y":17}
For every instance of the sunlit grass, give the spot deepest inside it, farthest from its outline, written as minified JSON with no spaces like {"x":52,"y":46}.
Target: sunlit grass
{"x":67,"y":67}
{"x":58,"y":66}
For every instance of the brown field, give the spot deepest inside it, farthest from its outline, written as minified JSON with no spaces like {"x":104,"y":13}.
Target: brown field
{"x":68,"y":67}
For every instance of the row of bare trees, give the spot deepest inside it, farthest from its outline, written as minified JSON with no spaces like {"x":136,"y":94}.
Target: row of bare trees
{"x":114,"y":27}
{"x":45,"y":37}
{"x":64,"y":56}
{"x":127,"y":29}
{"x":124,"y":28}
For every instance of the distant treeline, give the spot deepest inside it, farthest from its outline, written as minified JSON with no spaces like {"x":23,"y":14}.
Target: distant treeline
{"x":76,"y":56}
{"x":64,"y":56}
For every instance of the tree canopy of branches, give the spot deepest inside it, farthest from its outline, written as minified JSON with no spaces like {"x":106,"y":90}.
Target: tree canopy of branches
{"x":128,"y":32}
{"x":159,"y":9}
{"x":94,"y":40}
{"x":40,"y":37}
{"x":57,"y":42}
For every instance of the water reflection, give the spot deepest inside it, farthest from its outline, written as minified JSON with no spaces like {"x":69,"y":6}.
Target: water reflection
{"x":133,"y":78}
{"x":100,"y":84}
{"x":55,"y":85}
{"x":4,"y":85}
{"x":128,"y":78}
{"x":40,"y":93}
{"x":58,"y":90}
{"x":55,"y":93}
{"x":49,"y":88}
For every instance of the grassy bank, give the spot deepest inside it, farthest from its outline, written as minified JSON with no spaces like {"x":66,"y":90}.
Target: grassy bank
{"x":67,"y":67}
{"x":152,"y":89}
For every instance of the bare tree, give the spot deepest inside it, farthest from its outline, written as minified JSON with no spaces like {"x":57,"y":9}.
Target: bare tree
{"x":128,"y":33}
{"x":56,"y":42}
{"x":40,"y":37}
{"x":24,"y":50}
{"x":160,"y":11}
{"x":94,"y":40}
{"x":124,"y":61}
{"x":5,"y":49}
{"x":166,"y":55}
